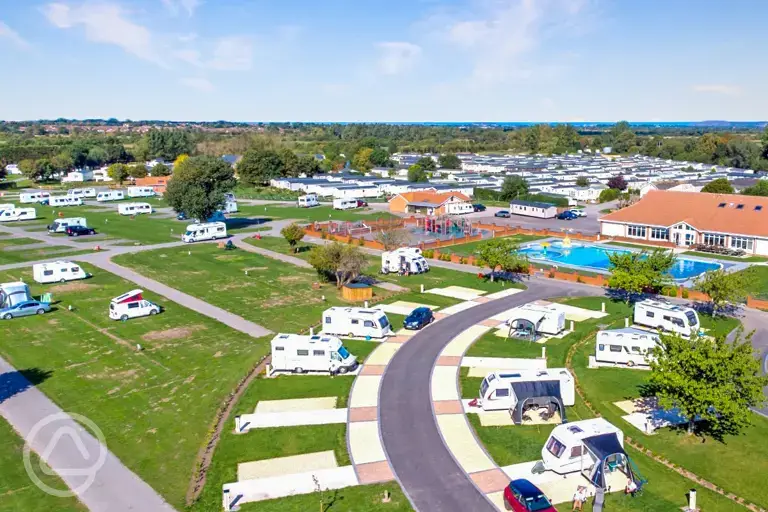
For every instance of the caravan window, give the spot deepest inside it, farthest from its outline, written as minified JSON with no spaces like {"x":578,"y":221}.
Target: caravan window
{"x":343,"y":352}
{"x":327,"y":319}
{"x":302,"y":352}
{"x":555,"y":447}
{"x":576,"y":451}
{"x":502,"y":393}
{"x":318,"y":352}
{"x":636,"y":350}
{"x":615,"y":348}
{"x":47,"y":272}
{"x":355,"y":321}
{"x":691,"y":318}
{"x":368,"y":323}
{"x":279,"y":348}
{"x":601,"y":348}
{"x":383,"y":322}
{"x":649,"y":314}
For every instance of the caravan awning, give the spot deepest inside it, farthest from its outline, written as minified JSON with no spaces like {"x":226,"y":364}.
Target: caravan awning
{"x":525,"y":314}
{"x":604,"y":445}
{"x":542,"y":393}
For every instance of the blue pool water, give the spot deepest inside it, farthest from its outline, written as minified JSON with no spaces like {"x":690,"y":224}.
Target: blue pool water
{"x":595,"y":257}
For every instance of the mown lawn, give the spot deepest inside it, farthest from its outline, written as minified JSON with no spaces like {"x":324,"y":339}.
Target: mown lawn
{"x":317,"y":213}
{"x":748,"y":259}
{"x":756,"y":278}
{"x":471,"y":248}
{"x":7,"y":242}
{"x":42,"y":253}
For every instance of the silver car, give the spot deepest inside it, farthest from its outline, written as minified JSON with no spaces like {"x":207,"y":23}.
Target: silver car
{"x":26,"y":308}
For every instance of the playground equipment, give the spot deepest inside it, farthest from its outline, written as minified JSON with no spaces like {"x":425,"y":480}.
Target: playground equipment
{"x":353,"y":229}
{"x":447,"y":226}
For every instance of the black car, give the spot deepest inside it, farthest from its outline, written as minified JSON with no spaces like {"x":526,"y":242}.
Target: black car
{"x":478,"y":207}
{"x":419,"y":318}
{"x":502,"y":213}
{"x":80,"y":230}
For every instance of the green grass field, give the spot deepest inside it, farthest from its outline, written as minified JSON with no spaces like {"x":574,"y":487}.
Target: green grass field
{"x":756,"y":278}
{"x":748,"y":259}
{"x":8,"y":242}
{"x":351,"y":499}
{"x":54,"y":251}
{"x":470,"y":249}
{"x":317,"y":213}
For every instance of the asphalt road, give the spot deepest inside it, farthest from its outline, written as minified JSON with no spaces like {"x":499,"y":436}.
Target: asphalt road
{"x":425,"y":468}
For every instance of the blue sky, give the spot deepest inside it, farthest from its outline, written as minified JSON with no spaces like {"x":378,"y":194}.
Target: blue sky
{"x":376,"y":60}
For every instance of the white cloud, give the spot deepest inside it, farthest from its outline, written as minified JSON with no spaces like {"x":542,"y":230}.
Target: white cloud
{"x":11,"y":35}
{"x":175,"y":7}
{"x":724,"y":89}
{"x":233,"y":53}
{"x":397,"y":57}
{"x":197,"y":83}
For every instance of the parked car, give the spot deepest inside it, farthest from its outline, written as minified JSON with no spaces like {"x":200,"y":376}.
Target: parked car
{"x":579,"y":213}
{"x":181,"y":216}
{"x":361,"y":203}
{"x":419,"y":317}
{"x":502,"y":213}
{"x":522,"y":496}
{"x":478,"y":207}
{"x":567,"y":215}
{"x":79,"y":230}
{"x":25,"y":308}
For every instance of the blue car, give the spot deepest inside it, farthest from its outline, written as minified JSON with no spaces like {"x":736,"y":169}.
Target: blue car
{"x":419,"y":318}
{"x":567,"y":215}
{"x":25,"y":308}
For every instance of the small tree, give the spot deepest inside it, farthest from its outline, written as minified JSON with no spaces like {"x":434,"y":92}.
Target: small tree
{"x":617,"y":182}
{"x":609,"y":194}
{"x":637,"y":272}
{"x":513,"y":187}
{"x":449,"y":161}
{"x":501,"y":253}
{"x":416,"y":173}
{"x":722,"y":288}
{"x":118,"y":172}
{"x":341,"y":262}
{"x":137,"y":171}
{"x":582,"y":181}
{"x":718,"y":186}
{"x":161,"y":170}
{"x":427,"y":163}
{"x":391,"y":238}
{"x":293,"y":234}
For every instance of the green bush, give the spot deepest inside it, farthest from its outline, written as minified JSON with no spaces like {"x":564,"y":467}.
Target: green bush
{"x":428,"y":253}
{"x":685,"y":293}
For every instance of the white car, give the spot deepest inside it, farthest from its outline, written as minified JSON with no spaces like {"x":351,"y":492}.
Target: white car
{"x":579,"y":213}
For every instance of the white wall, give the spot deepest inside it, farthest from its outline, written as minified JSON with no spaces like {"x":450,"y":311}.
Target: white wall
{"x":612,"y":229}
{"x":761,"y":247}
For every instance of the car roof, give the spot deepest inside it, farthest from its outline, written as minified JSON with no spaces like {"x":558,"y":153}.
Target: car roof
{"x":526,"y":488}
{"x":420,"y":309}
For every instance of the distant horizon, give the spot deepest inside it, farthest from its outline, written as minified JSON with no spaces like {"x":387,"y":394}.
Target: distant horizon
{"x":706,"y":122}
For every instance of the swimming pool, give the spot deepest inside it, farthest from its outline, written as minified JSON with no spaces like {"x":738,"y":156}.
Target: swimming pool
{"x":595,"y":257}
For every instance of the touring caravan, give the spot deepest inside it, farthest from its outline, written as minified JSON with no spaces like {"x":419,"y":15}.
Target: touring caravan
{"x":33,"y":197}
{"x":7,"y":206}
{"x":13,"y":293}
{"x":131,"y":305}
{"x":206,"y":231}
{"x":110,"y":195}
{"x":361,"y":322}
{"x":625,"y":346}
{"x":308,"y":201}
{"x":57,"y":272}
{"x":544,"y":319}
{"x":59,"y":201}
{"x":519,"y":390}
{"x":140,"y":192}
{"x":667,"y":317}
{"x":61,"y":225}
{"x":15,"y":214}
{"x":230,"y":203}
{"x":82,"y":192}
{"x":318,"y":353}
{"x":404,"y":259}
{"x":134,"y":208}
{"x":344,"y":204}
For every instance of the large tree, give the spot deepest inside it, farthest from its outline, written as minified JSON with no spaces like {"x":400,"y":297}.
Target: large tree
{"x":634,"y":273}
{"x":718,"y":186}
{"x":617,"y":183}
{"x":160,"y":170}
{"x":199,"y":190}
{"x":722,"y":287}
{"x":308,"y":166}
{"x":380,"y":158}
{"x":427,"y":163}
{"x":136,"y":171}
{"x":166,"y":144}
{"x":118,"y":172}
{"x":340,"y":262}
{"x":513,"y":187}
{"x":290,"y":163}
{"x":582,"y":181}
{"x":502,"y":254}
{"x":258,"y":166}
{"x":449,"y":161}
{"x":416,"y":173}
{"x":362,"y":160}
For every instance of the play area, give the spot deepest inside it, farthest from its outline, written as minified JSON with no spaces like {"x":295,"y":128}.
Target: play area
{"x":445,"y":228}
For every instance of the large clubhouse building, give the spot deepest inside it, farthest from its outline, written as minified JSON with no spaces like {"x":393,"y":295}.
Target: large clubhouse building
{"x":691,"y":218}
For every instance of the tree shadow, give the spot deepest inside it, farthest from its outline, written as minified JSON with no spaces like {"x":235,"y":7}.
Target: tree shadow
{"x":708,"y":308}
{"x":18,"y":381}
{"x":512,"y":277}
{"x":245,"y":222}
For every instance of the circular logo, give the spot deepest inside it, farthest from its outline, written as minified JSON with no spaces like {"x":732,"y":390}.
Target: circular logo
{"x":69,"y":439}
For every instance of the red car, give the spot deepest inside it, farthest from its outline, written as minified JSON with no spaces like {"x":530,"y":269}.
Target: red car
{"x":361,"y":203}
{"x":522,"y":496}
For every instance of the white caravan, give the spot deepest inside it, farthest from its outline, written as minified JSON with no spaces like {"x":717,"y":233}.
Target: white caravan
{"x":57,"y":272}
{"x":110,"y":195}
{"x":134,"y":208}
{"x":504,"y":390}
{"x":140,"y":192}
{"x":344,"y":204}
{"x":82,"y":192}
{"x":131,"y":305}
{"x":308,"y":201}
{"x":545,"y":319}
{"x":15,"y":214}
{"x":62,"y":201}
{"x":318,"y":353}
{"x":230,"y":203}
{"x":667,"y":317}
{"x":61,"y":225}
{"x":206,"y":231}
{"x":7,"y":206}
{"x":33,"y":197}
{"x":625,"y":346}
{"x":361,"y":322}
{"x":402,"y":259}
{"x":567,"y":449}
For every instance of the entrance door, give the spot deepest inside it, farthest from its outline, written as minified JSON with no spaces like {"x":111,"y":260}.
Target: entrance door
{"x":677,"y":238}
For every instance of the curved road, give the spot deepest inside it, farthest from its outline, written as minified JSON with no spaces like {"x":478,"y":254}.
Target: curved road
{"x":422,"y":463}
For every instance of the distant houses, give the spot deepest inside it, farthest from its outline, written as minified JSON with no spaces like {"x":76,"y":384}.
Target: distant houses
{"x":431,"y":203}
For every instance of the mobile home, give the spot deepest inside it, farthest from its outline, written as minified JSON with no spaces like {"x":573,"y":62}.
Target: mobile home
{"x":57,"y":272}
{"x":625,"y":346}
{"x":344,"y":204}
{"x":131,"y":305}
{"x":517,"y":391}
{"x":13,"y":293}
{"x":33,"y":197}
{"x":140,"y":192}
{"x":545,"y":319}
{"x":308,"y":201}
{"x":134,"y":208}
{"x":533,"y":209}
{"x":318,"y":353}
{"x":61,"y":225}
{"x":205,"y":231}
{"x":667,"y":317}
{"x":361,"y":322}
{"x":15,"y":214}
{"x":59,"y":201}
{"x":404,"y":259}
{"x":82,"y":192}
{"x":110,"y":195}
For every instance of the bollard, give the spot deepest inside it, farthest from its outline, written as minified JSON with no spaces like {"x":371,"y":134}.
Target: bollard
{"x":626,"y":322}
{"x":603,"y":307}
{"x":366,"y":305}
{"x":237,"y":424}
{"x":311,"y":331}
{"x":572,"y":327}
{"x":323,"y":298}
{"x":543,"y":352}
{"x":692,"y":500}
{"x":422,"y":288}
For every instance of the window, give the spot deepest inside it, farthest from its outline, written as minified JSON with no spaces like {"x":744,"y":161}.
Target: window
{"x":636,"y":231}
{"x":614,"y":348}
{"x":714,"y":239}
{"x":48,"y":272}
{"x":327,"y":319}
{"x":758,"y":208}
{"x":649,"y":314}
{"x":740,"y":242}
{"x":502,"y":393}
{"x":555,"y":447}
{"x":278,"y":349}
{"x":601,"y":348}
{"x":355,"y":321}
{"x":302,"y":352}
{"x":659,"y":234}
{"x":574,"y":429}
{"x":133,"y":305}
{"x":368,"y":323}
{"x":318,"y":353}
{"x":62,"y":270}
{"x":576,"y":452}
{"x":636,"y":350}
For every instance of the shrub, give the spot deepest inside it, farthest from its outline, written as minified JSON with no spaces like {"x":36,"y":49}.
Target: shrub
{"x":361,"y":242}
{"x":428,"y":253}
{"x":685,"y":293}
{"x":323,"y":235}
{"x":551,"y":274}
{"x":579,"y":279}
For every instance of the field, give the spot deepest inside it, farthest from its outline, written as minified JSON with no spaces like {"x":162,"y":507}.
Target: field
{"x":19,"y":256}
{"x":757,"y":281}
{"x":470,"y":249}
{"x":318,"y":213}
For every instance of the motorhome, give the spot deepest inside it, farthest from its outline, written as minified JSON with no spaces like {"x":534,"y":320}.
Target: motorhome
{"x":59,"y":201}
{"x":15,"y":214}
{"x":57,"y":272}
{"x":361,"y":322}
{"x":82,"y":192}
{"x":404,"y":259}
{"x":573,"y":447}
{"x":230,"y":203}
{"x":61,"y":225}
{"x":308,"y":201}
{"x":131,"y":305}
{"x":13,"y":293}
{"x":33,"y":197}
{"x":518,"y":390}
{"x":206,"y":231}
{"x":318,"y":353}
{"x":344,"y":204}
{"x":110,"y":195}
{"x":625,"y":346}
{"x":140,"y":192}
{"x":667,"y":317}
{"x":134,"y":208}
{"x":544,"y":319}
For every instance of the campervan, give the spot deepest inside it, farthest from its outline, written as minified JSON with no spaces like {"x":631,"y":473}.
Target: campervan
{"x":344,"y":204}
{"x":626,"y":346}
{"x":18,"y":214}
{"x":366,"y":323}
{"x":667,"y":317}
{"x":13,"y":293}
{"x":62,"y":201}
{"x":318,"y":353}
{"x":57,"y":272}
{"x":131,"y":305}
{"x":230,"y":203}
{"x":206,"y":231}
{"x":133,"y":208}
{"x":308,"y":201}
{"x":61,"y":225}
{"x":140,"y":192}
{"x":545,"y":319}
{"x":572,"y":447}
{"x":82,"y":192}
{"x":110,"y":195}
{"x":404,"y":259}
{"x":33,"y":197}
{"x":511,"y":390}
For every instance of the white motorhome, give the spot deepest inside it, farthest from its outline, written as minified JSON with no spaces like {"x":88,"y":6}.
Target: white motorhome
{"x":82,"y":192}
{"x":15,"y":214}
{"x":511,"y":390}
{"x":230,"y":203}
{"x":58,"y":272}
{"x":33,"y":197}
{"x":140,"y":192}
{"x":131,"y":305}
{"x":545,"y":319}
{"x":567,"y":449}
{"x":110,"y":195}
{"x":205,"y":231}
{"x":61,"y":225}
{"x":62,"y":201}
{"x":344,"y":204}
{"x":625,"y":346}
{"x":134,"y":208}
{"x":667,"y":317}
{"x":361,"y":322}
{"x":404,"y":259}
{"x":318,"y":353}
{"x":308,"y":201}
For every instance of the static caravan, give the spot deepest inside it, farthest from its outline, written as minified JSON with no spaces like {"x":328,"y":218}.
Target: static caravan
{"x":61,"y":225}
{"x":13,"y":293}
{"x":230,"y":203}
{"x":131,"y":305}
{"x":140,"y":192}
{"x":308,"y":201}
{"x":134,"y":208}
{"x":319,"y":353}
{"x":82,"y":192}
{"x":33,"y":197}
{"x":544,"y":319}
{"x":625,"y":346}
{"x":533,"y":209}
{"x":667,"y":317}
{"x":361,"y":322}
{"x":518,"y":391}
{"x":344,"y":204}
{"x":110,"y":195}
{"x":206,"y":231}
{"x":59,"y":201}
{"x":404,"y":259}
{"x":15,"y":214}
{"x":58,"y":272}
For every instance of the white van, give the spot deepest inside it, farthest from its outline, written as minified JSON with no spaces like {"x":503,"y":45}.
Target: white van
{"x":18,"y":214}
{"x":140,"y":192}
{"x":33,"y":197}
{"x":134,"y":208}
{"x":131,"y":305}
{"x":206,"y":231}
{"x":404,"y":258}
{"x":299,"y":354}
{"x":62,"y":201}
{"x":344,"y":204}
{"x":230,"y":203}
{"x":625,"y":346}
{"x":504,"y":390}
{"x":667,"y":317}
{"x":110,"y":195}
{"x":308,"y":201}
{"x":57,"y":272}
{"x":82,"y":192}
{"x":361,"y":322}
{"x":61,"y":225}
